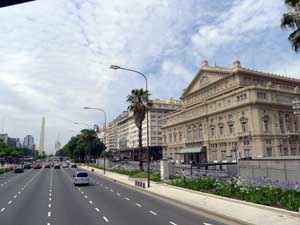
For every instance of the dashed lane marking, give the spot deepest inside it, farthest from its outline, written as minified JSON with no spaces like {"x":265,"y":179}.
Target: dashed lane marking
{"x":85,"y":196}
{"x":127,"y":199}
{"x":106,"y":220}
{"x":2,"y":209}
{"x":90,"y":202}
{"x":49,"y":214}
{"x":172,"y":223}
{"x":153,"y":213}
{"x":118,"y":194}
{"x":97,"y":209}
{"x":137,"y":204}
{"x":9,"y":202}
{"x":49,"y":205}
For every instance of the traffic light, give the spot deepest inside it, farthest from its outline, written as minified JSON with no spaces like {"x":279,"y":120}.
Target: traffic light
{"x":4,"y":3}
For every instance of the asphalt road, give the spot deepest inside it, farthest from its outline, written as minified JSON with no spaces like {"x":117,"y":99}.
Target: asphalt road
{"x":48,"y":197}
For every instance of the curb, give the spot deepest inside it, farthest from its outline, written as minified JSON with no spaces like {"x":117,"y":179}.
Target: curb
{"x":179,"y":203}
{"x":270,"y":208}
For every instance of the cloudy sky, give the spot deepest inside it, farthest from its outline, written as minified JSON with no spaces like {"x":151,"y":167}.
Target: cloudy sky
{"x":55,"y":54}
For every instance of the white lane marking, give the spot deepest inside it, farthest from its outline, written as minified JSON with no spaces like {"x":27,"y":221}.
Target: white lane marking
{"x":153,"y":213}
{"x":127,"y":199}
{"x":207,"y":224}
{"x":15,"y":196}
{"x":9,"y":202}
{"x":49,"y":205}
{"x":172,"y":223}
{"x":106,"y":187}
{"x":82,"y":192}
{"x":48,"y":224}
{"x":79,"y":189}
{"x":2,"y":209}
{"x":19,"y":192}
{"x":50,"y":199}
{"x":137,"y":204}
{"x":49,"y":214}
{"x":106,"y":220}
{"x":86,"y":196}
{"x":90,"y":202}
{"x":22,"y":189}
{"x":118,"y":194}
{"x":111,"y":190}
{"x":97,"y":209}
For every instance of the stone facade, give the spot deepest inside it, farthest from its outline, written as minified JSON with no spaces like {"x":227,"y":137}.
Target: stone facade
{"x":233,"y":112}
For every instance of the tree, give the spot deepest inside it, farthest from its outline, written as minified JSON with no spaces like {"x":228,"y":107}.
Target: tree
{"x":138,"y":100}
{"x":292,"y":20}
{"x":83,"y":144}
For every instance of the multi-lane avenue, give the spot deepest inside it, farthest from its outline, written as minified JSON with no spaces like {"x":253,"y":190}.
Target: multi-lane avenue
{"x":48,"y":197}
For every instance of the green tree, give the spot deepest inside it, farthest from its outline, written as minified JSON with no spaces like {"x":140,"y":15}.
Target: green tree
{"x":292,"y":20}
{"x":138,"y":100}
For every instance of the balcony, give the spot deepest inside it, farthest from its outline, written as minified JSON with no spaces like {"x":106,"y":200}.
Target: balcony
{"x":191,"y":141}
{"x":244,"y":134}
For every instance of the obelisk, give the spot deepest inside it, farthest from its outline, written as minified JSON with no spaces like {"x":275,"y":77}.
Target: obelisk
{"x":42,"y":137}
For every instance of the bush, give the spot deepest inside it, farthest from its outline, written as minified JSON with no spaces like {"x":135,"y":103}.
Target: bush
{"x":287,"y":198}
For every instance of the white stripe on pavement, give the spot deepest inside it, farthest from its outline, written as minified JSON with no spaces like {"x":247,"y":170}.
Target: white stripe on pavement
{"x":153,"y":213}
{"x":2,"y":209}
{"x":137,"y":204}
{"x":97,"y":209}
{"x":172,"y":223}
{"x":106,"y":220}
{"x":9,"y":202}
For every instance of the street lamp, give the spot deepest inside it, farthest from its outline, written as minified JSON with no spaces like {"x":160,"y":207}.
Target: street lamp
{"x":101,"y":110}
{"x":115,"y":67}
{"x":85,"y":124}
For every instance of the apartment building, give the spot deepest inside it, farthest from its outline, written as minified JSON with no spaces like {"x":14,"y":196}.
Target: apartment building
{"x":122,"y":133}
{"x":233,"y":112}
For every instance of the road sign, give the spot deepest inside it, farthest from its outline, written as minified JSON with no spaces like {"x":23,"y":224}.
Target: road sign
{"x":4,"y":3}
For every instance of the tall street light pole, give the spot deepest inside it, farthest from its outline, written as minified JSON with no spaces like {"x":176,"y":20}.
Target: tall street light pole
{"x":101,"y":110}
{"x":114,"y":67}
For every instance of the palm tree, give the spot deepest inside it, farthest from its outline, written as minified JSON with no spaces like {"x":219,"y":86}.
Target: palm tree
{"x":138,"y":100}
{"x":292,"y":20}
{"x":88,"y":138}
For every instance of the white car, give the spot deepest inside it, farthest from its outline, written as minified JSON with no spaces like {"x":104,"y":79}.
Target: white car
{"x":81,"y":177}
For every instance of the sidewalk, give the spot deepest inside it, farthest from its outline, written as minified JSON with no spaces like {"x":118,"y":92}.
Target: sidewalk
{"x":237,"y":211}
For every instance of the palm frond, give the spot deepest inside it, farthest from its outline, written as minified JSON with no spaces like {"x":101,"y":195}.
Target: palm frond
{"x":288,"y":20}
{"x":294,"y":39}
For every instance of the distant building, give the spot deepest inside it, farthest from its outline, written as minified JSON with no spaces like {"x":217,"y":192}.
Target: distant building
{"x":28,"y":142}
{"x":57,"y":145}
{"x":4,"y":138}
{"x":122,"y":133}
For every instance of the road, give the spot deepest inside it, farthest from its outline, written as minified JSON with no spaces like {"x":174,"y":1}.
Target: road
{"x":48,"y":197}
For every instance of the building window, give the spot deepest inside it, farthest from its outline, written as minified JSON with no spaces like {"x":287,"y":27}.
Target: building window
{"x":212,"y":131}
{"x":175,"y":138}
{"x":170,"y":138}
{"x":200,"y":131}
{"x":244,"y":127}
{"x":180,"y":137}
{"x":221,"y":130}
{"x":293,"y":151}
{"x":247,"y":152}
{"x":224,"y":155}
{"x":266,"y":125}
{"x":269,"y":152}
{"x":281,"y":126}
{"x":285,"y":152}
{"x":231,"y":128}
{"x":288,"y":123}
{"x":214,"y":155}
{"x":261,"y":95}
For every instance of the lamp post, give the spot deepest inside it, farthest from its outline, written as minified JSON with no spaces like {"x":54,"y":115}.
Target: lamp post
{"x":101,"y":110}
{"x":114,"y":67}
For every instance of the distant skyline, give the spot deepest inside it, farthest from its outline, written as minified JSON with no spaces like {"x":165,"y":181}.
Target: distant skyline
{"x":55,"y":54}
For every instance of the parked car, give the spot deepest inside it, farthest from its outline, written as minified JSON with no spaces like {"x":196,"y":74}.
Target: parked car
{"x":37,"y":166}
{"x":65,"y":165}
{"x":19,"y":170}
{"x":74,"y":166}
{"x":81,"y":178}
{"x":57,"y":166}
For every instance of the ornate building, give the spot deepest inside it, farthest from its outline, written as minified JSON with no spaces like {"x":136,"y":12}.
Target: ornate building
{"x":233,"y":112}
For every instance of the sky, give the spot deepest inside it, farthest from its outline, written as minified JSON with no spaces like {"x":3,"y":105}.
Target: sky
{"x":55,"y":55}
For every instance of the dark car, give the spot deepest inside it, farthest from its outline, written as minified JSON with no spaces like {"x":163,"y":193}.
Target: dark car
{"x":27,"y":166}
{"x":37,"y":166}
{"x":19,"y":170}
{"x":56,"y":166}
{"x":73,"y":166}
{"x":48,"y":166}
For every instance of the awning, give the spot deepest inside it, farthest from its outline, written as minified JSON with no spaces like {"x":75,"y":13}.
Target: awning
{"x":191,"y":150}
